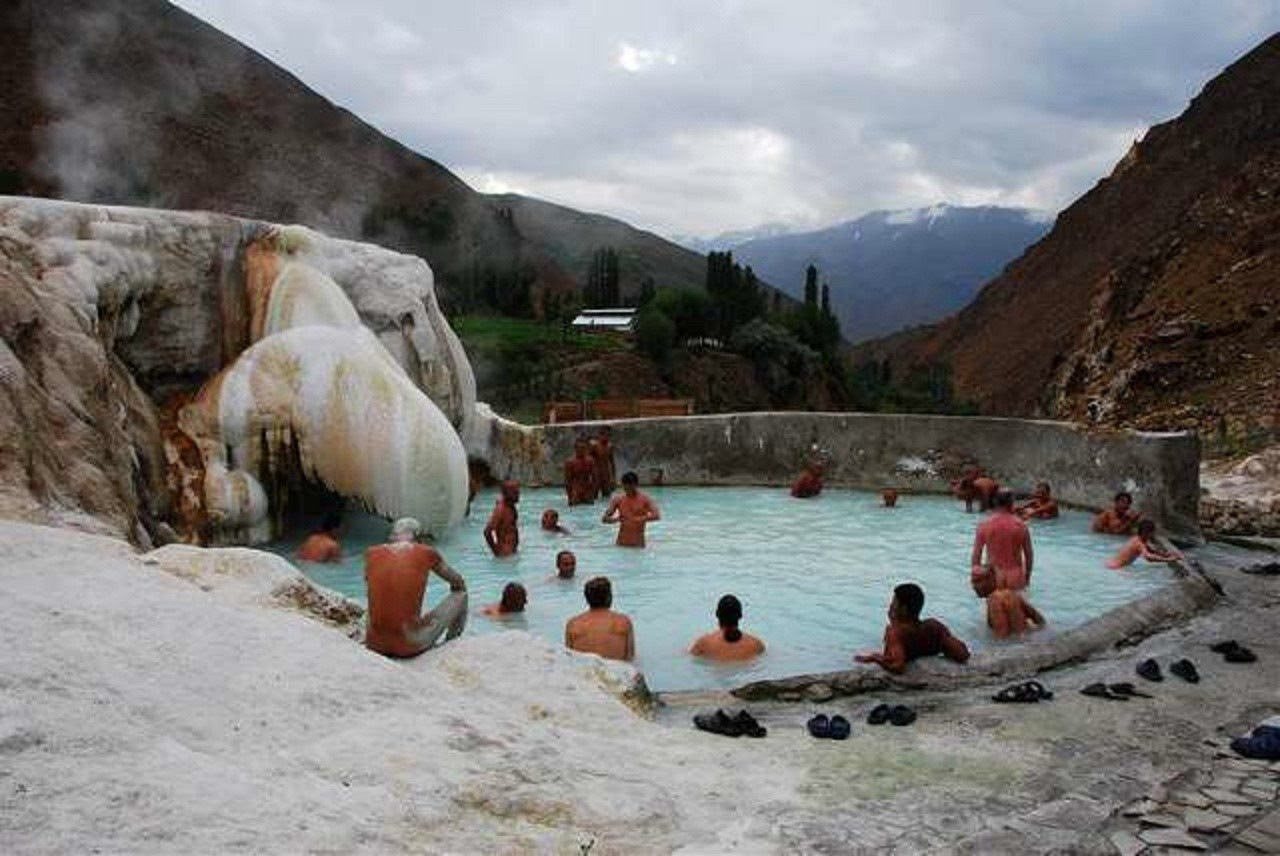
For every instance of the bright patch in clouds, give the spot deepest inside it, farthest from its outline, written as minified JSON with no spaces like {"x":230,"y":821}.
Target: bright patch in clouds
{"x":633,"y":59}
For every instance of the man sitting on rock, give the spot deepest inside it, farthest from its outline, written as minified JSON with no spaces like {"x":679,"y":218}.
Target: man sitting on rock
{"x":322,"y":545}
{"x":1120,"y":518}
{"x":908,"y":638}
{"x":396,"y":577}
{"x":600,"y":630}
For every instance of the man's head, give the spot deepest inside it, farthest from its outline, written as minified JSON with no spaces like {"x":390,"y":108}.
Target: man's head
{"x":550,"y":519}
{"x":908,"y":600}
{"x":604,"y":433}
{"x":1146,"y":529}
{"x":566,"y":564}
{"x":598,"y":592}
{"x":630,"y":481}
{"x":1003,"y":499}
{"x":580,"y":447}
{"x":1042,"y":491}
{"x":1124,"y":501}
{"x":511,"y":491}
{"x":514,"y":597}
{"x":890,"y":497}
{"x":332,"y":522}
{"x":405,"y":529}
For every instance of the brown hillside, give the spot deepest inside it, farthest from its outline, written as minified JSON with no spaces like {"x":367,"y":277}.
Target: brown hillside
{"x":1155,"y":300}
{"x":138,"y":102}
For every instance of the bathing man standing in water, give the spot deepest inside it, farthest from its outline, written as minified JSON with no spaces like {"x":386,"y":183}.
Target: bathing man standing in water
{"x":396,"y":578}
{"x":501,"y":533}
{"x":580,"y":486}
{"x":631,"y":512}
{"x":1007,"y":542}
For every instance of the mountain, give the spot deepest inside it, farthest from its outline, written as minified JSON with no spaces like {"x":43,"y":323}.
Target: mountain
{"x":730,"y":240}
{"x":138,"y":102}
{"x":1155,"y":300}
{"x":893,"y":269}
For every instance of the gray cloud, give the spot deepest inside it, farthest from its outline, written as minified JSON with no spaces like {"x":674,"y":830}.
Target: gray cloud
{"x":698,"y":118}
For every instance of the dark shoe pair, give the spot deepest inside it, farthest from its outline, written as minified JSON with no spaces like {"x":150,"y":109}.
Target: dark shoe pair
{"x":898,"y":714}
{"x":833,"y":728}
{"x":1184,"y":669}
{"x":1028,"y":692}
{"x":1233,"y":652}
{"x":730,"y":726}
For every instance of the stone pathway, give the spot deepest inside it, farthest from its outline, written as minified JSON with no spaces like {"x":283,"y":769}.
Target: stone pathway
{"x":1227,"y":805}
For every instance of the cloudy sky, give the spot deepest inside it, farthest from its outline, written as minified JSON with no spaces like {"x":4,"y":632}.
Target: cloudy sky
{"x":700,"y":117}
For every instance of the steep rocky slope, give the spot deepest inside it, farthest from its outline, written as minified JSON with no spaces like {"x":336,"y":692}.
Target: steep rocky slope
{"x":1155,"y":300}
{"x":137,"y":102}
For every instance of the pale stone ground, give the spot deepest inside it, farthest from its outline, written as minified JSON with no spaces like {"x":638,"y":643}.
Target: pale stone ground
{"x":142,"y":711}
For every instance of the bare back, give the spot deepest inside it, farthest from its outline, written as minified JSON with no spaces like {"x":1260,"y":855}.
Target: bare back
{"x":714,"y":646}
{"x":603,"y":632}
{"x":396,"y":579}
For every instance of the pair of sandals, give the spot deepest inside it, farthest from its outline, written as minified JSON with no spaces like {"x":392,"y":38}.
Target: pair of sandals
{"x":898,"y":714}
{"x":1122,"y":691}
{"x":741,"y":724}
{"x":1027,"y":692}
{"x":830,"y":728}
{"x":1184,"y":668}
{"x":1233,"y":652}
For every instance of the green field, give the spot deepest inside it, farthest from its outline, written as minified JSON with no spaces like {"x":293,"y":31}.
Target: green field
{"x":495,"y":333}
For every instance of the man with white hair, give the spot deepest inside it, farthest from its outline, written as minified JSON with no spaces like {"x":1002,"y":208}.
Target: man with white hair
{"x":396,"y":574}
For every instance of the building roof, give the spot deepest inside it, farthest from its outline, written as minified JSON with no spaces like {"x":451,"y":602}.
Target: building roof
{"x":606,"y":319}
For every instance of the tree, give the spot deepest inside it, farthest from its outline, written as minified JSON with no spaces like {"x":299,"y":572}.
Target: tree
{"x":603,"y":288}
{"x":655,"y":334}
{"x":811,"y":286}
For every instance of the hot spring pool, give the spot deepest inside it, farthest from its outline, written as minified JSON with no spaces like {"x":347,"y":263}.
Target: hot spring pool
{"x":814,"y":576}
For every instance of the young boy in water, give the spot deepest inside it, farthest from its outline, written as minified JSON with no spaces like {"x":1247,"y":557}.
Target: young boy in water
{"x":514,"y":598}
{"x":1142,"y":544}
{"x":908,"y":638}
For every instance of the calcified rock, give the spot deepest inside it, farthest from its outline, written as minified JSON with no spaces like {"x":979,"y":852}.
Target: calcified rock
{"x":112,"y":319}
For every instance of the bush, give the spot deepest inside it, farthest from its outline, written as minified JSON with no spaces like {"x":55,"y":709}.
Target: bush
{"x":655,"y":334}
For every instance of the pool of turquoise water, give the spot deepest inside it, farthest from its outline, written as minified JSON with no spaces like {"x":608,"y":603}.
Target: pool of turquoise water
{"x":814,"y":576}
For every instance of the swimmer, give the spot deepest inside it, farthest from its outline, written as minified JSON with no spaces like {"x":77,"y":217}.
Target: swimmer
{"x":514,"y":598}
{"x":1142,"y":544}
{"x":632,"y":511}
{"x":889,"y":497}
{"x":1041,"y":506}
{"x":551,"y":522}
{"x":975,"y":486}
{"x":322,"y":545}
{"x":396,"y":576}
{"x":501,"y":533}
{"x":566,"y":565}
{"x":1006,"y":542}
{"x":580,"y":485}
{"x":602,"y":454}
{"x":728,"y":644}
{"x":600,"y":630}
{"x":809,"y":483}
{"x":908,"y":638}
{"x":1120,"y":518}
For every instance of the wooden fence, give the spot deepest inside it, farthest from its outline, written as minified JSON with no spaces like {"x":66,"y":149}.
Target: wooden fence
{"x":615,"y":408}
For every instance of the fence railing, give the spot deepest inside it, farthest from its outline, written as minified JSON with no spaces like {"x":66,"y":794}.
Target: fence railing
{"x":614,"y":408}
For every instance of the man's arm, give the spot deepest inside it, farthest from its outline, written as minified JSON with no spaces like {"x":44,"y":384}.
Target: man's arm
{"x":449,"y":575}
{"x":654,"y":513}
{"x":490,"y":531}
{"x":979,"y":541}
{"x":1028,"y":554}
{"x":894,"y":657}
{"x":631,"y":641}
{"x":953,"y":648}
{"x":611,"y":513}
{"x":1099,"y":522}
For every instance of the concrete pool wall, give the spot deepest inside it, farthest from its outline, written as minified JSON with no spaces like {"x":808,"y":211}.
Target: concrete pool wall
{"x":872,"y":451}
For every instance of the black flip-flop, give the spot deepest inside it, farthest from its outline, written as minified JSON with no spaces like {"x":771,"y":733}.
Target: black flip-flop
{"x":879,"y":714}
{"x":1101,"y":690}
{"x":1128,"y":690}
{"x":1233,"y":652}
{"x":717,"y":723}
{"x":840,"y":728}
{"x":748,"y":725}
{"x":902,"y":715}
{"x":1186,"y":670}
{"x":1150,"y":670}
{"x":1027,"y":692}
{"x":820,"y":726}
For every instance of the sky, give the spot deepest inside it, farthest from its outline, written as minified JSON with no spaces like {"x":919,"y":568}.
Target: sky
{"x":696,"y":118}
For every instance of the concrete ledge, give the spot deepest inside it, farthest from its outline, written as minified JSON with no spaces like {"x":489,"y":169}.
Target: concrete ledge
{"x":919,"y":453}
{"x":1176,"y":602}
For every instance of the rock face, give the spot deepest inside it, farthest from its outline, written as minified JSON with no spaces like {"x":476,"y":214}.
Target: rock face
{"x":1155,"y":300}
{"x":115,"y":330}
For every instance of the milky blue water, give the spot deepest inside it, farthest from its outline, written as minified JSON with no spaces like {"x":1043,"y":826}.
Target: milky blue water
{"x":814,"y":576}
